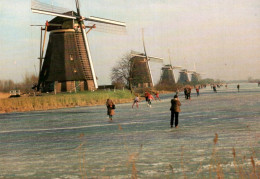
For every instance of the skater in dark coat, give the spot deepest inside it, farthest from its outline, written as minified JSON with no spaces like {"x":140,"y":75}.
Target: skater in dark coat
{"x":110,"y":108}
{"x":175,"y":109}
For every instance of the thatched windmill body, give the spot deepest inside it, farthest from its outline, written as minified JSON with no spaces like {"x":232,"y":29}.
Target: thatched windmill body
{"x":140,"y":71}
{"x":68,"y":60}
{"x":167,"y":75}
{"x":183,"y":77}
{"x":195,"y":77}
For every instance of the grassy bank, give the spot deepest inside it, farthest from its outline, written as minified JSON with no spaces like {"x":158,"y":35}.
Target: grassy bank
{"x":63,"y":100}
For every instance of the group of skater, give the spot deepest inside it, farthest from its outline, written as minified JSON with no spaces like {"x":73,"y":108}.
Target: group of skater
{"x":175,"y":107}
{"x":175,"y":102}
{"x":214,"y":87}
{"x":148,"y":97}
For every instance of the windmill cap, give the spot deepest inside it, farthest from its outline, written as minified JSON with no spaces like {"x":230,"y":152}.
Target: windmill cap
{"x":175,"y":96}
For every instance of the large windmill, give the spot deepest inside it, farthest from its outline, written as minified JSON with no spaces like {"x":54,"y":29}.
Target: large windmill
{"x":167,"y":76}
{"x":140,"y":71}
{"x":68,"y":61}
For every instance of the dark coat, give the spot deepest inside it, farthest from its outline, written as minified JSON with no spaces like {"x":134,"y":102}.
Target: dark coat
{"x":109,"y":105}
{"x":175,"y":105}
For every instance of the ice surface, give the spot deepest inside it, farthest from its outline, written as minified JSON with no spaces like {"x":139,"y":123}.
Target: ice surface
{"x":47,"y":144}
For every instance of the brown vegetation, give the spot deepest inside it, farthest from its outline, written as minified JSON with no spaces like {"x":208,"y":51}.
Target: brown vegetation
{"x":63,"y":100}
{"x":4,"y":95}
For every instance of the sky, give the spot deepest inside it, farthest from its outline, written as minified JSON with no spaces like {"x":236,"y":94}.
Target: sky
{"x":221,"y":37}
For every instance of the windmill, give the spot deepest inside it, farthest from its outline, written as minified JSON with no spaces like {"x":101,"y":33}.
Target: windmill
{"x":67,"y":60}
{"x":183,"y":77}
{"x":167,"y":76}
{"x":140,"y":71}
{"x":195,"y":76}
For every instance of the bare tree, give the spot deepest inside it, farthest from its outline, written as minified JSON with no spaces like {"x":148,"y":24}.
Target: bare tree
{"x":120,"y":72}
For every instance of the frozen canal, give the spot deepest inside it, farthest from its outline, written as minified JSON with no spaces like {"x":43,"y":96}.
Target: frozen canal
{"x":81,"y":142}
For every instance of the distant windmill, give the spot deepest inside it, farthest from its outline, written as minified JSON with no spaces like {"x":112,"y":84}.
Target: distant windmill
{"x":195,"y":77}
{"x":140,"y":71}
{"x":68,"y":59}
{"x":183,"y":77}
{"x":167,"y":76}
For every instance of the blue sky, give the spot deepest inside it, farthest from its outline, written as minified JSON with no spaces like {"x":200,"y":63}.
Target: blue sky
{"x":221,"y":36}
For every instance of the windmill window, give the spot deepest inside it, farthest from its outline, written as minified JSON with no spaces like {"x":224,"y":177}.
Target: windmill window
{"x":71,"y":58}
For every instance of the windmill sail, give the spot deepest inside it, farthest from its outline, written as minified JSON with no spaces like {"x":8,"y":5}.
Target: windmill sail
{"x":107,"y":28}
{"x":102,"y":24}
{"x":43,"y":8}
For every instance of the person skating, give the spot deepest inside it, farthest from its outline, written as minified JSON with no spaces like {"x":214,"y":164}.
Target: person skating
{"x":110,"y":108}
{"x":214,"y":88}
{"x":186,"y":93}
{"x":198,"y":91}
{"x":238,"y":86}
{"x":177,"y":91}
{"x":136,"y":100}
{"x":150,"y":98}
{"x":157,"y":96}
{"x":175,"y":109}
{"x":146,"y":94}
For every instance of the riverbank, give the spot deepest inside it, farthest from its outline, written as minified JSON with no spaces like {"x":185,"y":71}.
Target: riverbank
{"x":4,"y":95}
{"x":63,"y":100}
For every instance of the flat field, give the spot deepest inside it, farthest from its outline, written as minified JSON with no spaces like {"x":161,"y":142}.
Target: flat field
{"x":218,"y":136}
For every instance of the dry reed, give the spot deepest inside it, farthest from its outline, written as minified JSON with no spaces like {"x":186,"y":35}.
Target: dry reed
{"x":63,"y":100}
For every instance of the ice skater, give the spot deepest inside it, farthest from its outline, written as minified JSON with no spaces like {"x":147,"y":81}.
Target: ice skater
{"x":157,"y":96}
{"x":150,"y":98}
{"x":110,"y":108}
{"x":214,"y":88}
{"x":175,"y":109}
{"x":185,"y":93}
{"x":136,"y":100}
{"x":146,"y":94}
{"x":188,"y":93}
{"x":238,"y":86}
{"x":177,"y":91}
{"x":198,"y":91}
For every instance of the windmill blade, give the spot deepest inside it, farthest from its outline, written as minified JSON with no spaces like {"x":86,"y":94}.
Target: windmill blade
{"x":107,"y":28}
{"x":190,"y":71}
{"x":176,"y":67}
{"x":43,"y":8}
{"x":155,"y":59}
{"x":143,"y":42}
{"x":137,"y":55}
{"x":170,"y":57}
{"x":105,"y":21}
